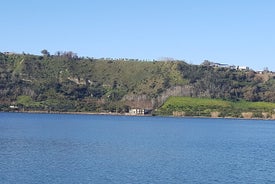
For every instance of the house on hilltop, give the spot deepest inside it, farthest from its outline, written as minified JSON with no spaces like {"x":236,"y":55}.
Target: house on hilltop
{"x":243,"y":68}
{"x":220,"y":65}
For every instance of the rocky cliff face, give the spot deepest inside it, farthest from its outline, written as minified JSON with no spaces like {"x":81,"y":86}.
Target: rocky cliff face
{"x":145,"y":101}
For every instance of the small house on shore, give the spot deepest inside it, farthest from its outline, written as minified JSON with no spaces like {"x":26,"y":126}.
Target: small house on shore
{"x":139,"y":111}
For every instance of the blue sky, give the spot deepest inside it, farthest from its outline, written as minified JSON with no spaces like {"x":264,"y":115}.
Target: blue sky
{"x":239,"y":32}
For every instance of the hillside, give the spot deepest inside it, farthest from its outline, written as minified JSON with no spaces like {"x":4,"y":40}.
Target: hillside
{"x":187,"y":106}
{"x":66,"y":82}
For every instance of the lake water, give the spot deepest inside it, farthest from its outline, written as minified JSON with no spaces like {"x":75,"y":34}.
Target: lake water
{"x":71,"y":149}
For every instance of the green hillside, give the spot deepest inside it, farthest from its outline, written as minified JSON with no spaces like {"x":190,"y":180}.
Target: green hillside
{"x":66,"y":82}
{"x":188,"y":106}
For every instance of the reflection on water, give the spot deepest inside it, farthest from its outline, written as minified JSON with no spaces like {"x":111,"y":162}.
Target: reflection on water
{"x":45,"y":148}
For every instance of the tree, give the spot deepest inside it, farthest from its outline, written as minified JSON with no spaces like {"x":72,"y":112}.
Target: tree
{"x":206,"y":63}
{"x":45,"y":52}
{"x":25,"y":101}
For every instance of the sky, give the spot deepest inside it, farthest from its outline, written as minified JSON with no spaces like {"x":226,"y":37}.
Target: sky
{"x":235,"y":32}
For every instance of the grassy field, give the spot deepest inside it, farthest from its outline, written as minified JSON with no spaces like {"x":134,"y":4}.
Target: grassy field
{"x":188,"y":106}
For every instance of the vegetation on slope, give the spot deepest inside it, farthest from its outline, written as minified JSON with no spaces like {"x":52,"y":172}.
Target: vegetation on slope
{"x":188,"y":106}
{"x":66,"y":82}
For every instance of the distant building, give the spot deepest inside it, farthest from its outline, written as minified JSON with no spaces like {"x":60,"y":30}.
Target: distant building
{"x":243,"y":68}
{"x":139,"y":111}
{"x":233,"y":67}
{"x":14,"y":107}
{"x":219,"y":65}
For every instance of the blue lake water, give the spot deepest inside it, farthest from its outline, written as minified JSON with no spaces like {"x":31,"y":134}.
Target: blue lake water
{"x":71,"y":149}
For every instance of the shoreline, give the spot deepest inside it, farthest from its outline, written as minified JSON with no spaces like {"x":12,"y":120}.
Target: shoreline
{"x":78,"y":113}
{"x":137,"y":115}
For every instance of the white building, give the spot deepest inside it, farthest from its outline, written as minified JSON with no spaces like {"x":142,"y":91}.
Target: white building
{"x":243,"y":68}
